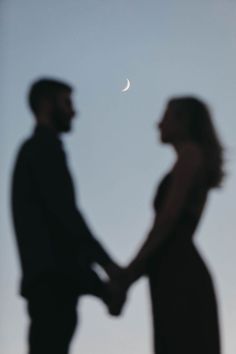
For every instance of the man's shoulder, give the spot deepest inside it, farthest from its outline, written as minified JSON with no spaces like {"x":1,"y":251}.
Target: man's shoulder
{"x":26,"y":146}
{"x":39,"y":146}
{"x":39,"y":142}
{"x":30,"y":148}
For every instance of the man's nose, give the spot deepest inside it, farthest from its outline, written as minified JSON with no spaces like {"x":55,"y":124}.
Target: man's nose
{"x":73,"y":112}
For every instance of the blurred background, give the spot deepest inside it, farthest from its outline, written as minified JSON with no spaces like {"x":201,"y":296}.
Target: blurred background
{"x":165,"y":48}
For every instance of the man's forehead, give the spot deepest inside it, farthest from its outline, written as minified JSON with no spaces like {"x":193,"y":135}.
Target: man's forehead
{"x":64,"y":95}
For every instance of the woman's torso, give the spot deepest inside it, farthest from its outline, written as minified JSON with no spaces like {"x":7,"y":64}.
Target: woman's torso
{"x":179,"y":254}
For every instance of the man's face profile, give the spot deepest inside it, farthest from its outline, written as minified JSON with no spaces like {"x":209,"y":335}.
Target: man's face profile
{"x":62,"y":112}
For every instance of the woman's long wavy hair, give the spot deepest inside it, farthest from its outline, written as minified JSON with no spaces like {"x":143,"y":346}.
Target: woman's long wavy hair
{"x":199,"y":123}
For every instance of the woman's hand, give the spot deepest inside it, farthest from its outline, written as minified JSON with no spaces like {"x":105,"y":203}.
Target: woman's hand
{"x":117,"y":291}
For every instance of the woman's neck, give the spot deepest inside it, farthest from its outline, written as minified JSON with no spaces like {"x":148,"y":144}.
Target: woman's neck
{"x":179,"y":146}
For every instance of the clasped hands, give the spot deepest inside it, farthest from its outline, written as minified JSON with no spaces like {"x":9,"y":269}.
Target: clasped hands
{"x":117,"y":287}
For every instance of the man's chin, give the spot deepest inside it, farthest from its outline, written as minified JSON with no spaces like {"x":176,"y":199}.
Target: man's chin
{"x":65,"y":129}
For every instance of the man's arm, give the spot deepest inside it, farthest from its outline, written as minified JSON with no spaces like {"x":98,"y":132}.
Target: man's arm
{"x":53,"y":181}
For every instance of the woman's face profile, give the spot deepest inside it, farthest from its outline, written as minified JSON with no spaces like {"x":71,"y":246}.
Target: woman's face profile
{"x":172,"y":127}
{"x":168,"y":125}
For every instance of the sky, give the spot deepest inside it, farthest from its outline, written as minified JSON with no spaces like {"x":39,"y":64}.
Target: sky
{"x":165,"y":48}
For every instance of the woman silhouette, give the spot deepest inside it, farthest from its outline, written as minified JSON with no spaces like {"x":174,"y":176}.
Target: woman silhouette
{"x":183,"y":301}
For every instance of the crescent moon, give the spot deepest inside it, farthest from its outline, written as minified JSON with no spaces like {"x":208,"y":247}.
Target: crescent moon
{"x":127,"y":86}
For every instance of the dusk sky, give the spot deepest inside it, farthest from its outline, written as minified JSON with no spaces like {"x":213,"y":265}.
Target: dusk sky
{"x":165,"y":48}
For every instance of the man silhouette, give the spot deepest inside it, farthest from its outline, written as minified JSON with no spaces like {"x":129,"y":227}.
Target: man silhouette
{"x":56,"y":247}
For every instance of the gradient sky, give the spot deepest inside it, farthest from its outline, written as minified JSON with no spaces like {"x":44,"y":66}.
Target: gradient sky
{"x":165,"y":48}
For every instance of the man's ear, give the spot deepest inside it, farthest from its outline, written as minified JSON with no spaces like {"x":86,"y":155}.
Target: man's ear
{"x":46,"y":106}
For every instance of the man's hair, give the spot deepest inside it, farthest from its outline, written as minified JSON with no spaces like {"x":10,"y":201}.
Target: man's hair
{"x":45,"y":88}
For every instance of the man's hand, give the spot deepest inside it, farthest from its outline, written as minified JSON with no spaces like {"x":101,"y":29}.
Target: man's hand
{"x":117,"y":289}
{"x":116,"y":297}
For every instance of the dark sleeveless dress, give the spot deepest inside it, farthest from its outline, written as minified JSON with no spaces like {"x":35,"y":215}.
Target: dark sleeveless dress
{"x":182,"y":294}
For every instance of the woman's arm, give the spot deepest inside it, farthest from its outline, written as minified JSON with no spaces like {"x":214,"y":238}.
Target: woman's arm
{"x":188,"y":169}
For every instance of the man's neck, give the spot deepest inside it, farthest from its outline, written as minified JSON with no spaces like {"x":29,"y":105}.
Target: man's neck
{"x":43,"y":121}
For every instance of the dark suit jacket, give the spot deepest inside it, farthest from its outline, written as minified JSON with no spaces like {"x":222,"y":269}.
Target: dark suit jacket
{"x":53,"y":239}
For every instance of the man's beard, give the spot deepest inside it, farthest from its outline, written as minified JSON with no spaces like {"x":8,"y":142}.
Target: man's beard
{"x":60,"y":121}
